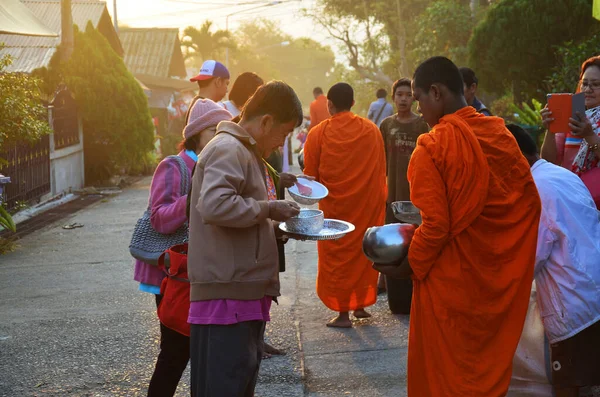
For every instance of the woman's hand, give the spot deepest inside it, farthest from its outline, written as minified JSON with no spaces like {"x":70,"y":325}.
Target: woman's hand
{"x":282,"y":210}
{"x":288,"y":180}
{"x":581,"y":127}
{"x":546,"y":117}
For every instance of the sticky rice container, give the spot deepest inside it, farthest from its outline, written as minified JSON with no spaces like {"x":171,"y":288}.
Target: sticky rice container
{"x":319,"y":192}
{"x":306,"y":222}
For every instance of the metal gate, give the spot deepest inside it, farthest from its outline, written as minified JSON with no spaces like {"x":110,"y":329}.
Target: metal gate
{"x":29,"y":170}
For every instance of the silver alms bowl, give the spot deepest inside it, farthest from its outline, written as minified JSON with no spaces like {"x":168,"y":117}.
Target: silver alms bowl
{"x":319,"y":192}
{"x":405,"y":211}
{"x":388,"y":244}
{"x":306,"y":222}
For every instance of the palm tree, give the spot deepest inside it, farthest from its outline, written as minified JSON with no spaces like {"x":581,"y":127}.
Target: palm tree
{"x":204,"y":44}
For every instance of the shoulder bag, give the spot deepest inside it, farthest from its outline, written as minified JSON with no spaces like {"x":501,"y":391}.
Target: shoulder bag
{"x":146,"y":243}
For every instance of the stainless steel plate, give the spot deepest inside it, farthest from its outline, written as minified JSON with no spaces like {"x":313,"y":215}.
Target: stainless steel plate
{"x":333,"y":229}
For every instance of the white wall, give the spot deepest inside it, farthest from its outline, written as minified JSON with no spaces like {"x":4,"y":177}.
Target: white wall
{"x":67,"y":171}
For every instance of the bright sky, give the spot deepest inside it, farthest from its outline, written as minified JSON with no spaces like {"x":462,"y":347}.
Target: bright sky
{"x":182,"y":13}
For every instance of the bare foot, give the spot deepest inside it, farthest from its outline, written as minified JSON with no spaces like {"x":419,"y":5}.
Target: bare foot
{"x":361,"y":313}
{"x":341,"y":321}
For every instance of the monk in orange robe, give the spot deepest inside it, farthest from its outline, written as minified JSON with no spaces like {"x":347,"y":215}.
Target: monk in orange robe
{"x":472,"y":258}
{"x":346,"y":154}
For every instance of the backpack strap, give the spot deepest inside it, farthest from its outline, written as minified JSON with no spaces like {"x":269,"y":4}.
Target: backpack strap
{"x":380,"y":112}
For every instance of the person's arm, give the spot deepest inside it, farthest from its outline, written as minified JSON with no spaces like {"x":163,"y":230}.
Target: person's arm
{"x":585,"y":130}
{"x":428,"y":193}
{"x":220,"y":202}
{"x":312,"y":153}
{"x":549,"y":151}
{"x":371,"y":112}
{"x":594,"y":142}
{"x":166,"y":203}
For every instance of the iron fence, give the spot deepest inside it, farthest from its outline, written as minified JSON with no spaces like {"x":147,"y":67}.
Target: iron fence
{"x":64,"y":120}
{"x":29,"y":170}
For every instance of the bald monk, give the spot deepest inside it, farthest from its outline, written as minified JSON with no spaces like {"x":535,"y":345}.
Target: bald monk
{"x":472,"y":258}
{"x":346,"y":154}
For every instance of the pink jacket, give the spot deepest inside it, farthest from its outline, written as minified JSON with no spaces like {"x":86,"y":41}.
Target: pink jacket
{"x":168,"y":210}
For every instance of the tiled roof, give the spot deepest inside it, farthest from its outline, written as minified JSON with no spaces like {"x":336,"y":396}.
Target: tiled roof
{"x":31,"y":52}
{"x":153,"y":51}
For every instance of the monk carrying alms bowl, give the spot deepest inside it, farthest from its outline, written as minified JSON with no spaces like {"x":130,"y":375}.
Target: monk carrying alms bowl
{"x":388,"y":244}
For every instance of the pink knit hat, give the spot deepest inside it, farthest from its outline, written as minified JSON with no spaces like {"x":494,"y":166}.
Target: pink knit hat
{"x":204,"y":114}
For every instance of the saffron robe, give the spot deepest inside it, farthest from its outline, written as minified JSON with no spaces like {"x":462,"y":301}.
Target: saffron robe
{"x":472,"y":257}
{"x":346,"y":154}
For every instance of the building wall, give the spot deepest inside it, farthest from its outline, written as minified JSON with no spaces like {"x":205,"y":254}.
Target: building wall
{"x":67,"y":171}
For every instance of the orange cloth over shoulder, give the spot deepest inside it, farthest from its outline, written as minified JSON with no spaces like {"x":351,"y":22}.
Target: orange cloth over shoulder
{"x":318,"y":111}
{"x":472,"y":257}
{"x":346,"y":154}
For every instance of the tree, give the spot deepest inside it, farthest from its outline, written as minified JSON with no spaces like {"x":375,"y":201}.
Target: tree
{"x":439,"y":35}
{"x":367,"y":45}
{"x":364,"y":89}
{"x":385,"y":40}
{"x":514,"y":45}
{"x":117,"y":126}
{"x":569,"y":58}
{"x":263,"y":48}
{"x":24,"y":117}
{"x":202,"y":44}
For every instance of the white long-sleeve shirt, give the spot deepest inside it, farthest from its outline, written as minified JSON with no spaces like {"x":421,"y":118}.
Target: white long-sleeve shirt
{"x":567,"y":267}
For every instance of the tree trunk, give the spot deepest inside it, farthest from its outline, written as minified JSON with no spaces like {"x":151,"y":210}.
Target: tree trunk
{"x":401,"y":37}
{"x":66,"y":23}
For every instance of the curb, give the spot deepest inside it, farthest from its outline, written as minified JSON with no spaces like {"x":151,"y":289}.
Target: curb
{"x":29,"y":213}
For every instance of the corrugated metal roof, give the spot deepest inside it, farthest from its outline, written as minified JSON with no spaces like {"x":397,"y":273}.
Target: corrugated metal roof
{"x":167,"y":82}
{"x":36,"y":51}
{"x":17,"y":18}
{"x":27,"y":59}
{"x":151,"y":51}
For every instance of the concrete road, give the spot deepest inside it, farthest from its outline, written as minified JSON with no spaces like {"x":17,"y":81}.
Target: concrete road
{"x":73,"y":323}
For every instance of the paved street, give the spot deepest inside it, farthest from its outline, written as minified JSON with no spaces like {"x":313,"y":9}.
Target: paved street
{"x":73,"y":323}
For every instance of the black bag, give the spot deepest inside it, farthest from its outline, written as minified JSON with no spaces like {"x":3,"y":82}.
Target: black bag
{"x":146,"y":243}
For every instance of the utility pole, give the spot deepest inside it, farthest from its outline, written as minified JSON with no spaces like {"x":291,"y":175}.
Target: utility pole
{"x":66,"y":36}
{"x":115,"y":16}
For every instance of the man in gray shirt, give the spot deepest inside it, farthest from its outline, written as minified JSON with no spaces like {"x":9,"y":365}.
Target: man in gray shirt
{"x":380,"y":109}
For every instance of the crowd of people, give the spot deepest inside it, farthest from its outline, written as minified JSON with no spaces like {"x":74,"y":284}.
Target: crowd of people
{"x":497,"y":214}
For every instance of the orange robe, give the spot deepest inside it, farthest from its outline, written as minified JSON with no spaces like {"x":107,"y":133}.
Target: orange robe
{"x":346,"y":154}
{"x":318,"y":111}
{"x":472,"y":257}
